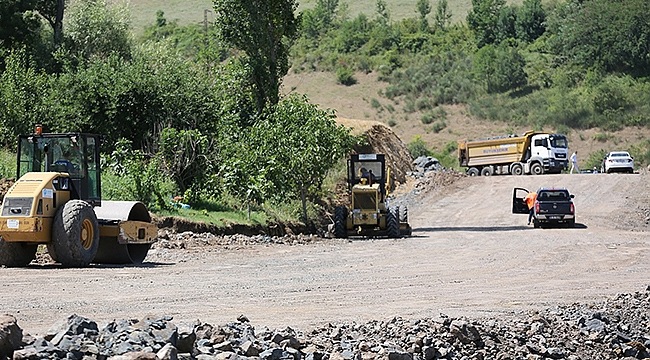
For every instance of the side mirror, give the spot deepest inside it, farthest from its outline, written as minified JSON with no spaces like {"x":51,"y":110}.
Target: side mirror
{"x":572,"y":196}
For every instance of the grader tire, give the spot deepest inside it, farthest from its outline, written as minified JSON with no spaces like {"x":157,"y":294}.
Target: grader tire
{"x":340,"y":220}
{"x":392,"y":223}
{"x":75,"y":234}
{"x":16,"y":254}
{"x":404,"y":214}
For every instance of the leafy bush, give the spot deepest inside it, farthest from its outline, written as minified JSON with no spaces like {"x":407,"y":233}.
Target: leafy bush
{"x":417,"y":147}
{"x":602,"y":137}
{"x":129,"y":175}
{"x":345,"y":76}
{"x":595,"y":160}
{"x":438,"y":126}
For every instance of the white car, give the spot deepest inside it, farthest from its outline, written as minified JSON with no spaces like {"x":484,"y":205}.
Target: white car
{"x":618,"y":161}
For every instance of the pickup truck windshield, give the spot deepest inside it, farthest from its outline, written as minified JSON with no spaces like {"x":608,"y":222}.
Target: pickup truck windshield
{"x":550,"y":195}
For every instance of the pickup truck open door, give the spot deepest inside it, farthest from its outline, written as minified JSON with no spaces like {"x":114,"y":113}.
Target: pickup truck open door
{"x":518,"y":204}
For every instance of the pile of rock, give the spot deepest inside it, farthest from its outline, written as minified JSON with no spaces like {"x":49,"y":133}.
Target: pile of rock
{"x":425,"y":164}
{"x":615,"y":329}
{"x":169,"y":239}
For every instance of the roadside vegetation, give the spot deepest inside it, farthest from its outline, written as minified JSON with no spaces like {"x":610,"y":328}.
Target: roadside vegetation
{"x":194,"y":113}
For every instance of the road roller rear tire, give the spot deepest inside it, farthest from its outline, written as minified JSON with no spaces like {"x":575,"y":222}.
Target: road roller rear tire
{"x":75,"y":234}
{"x":16,"y":254}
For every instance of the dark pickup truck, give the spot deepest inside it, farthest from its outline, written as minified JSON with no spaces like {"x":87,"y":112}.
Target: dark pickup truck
{"x":554,"y":206}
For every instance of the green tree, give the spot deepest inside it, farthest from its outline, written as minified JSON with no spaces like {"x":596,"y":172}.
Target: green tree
{"x":530,"y":23}
{"x":443,"y":15}
{"x":19,"y":26}
{"x":264,"y":31}
{"x":383,"y":15}
{"x":320,"y":19}
{"x":506,"y":21}
{"x":22,"y":93}
{"x":96,"y":29}
{"x":185,"y":156}
{"x":611,"y":35}
{"x":52,"y":12}
{"x":500,"y":67}
{"x":297,"y":144}
{"x":423,"y":8}
{"x":483,"y":20}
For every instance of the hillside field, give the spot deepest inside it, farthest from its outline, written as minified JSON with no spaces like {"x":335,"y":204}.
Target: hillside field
{"x":143,"y":12}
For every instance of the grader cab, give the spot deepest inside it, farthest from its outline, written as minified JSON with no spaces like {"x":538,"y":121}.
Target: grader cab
{"x":369,"y":214}
{"x":57,"y":201}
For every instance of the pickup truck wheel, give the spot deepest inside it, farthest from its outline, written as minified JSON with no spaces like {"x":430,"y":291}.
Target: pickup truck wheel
{"x":472,"y":171}
{"x":572,"y":223}
{"x":536,"y":224}
{"x":517,"y":169}
{"x":536,"y":169}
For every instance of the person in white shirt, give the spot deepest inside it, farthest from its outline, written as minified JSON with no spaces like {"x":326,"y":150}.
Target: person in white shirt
{"x":574,"y":163}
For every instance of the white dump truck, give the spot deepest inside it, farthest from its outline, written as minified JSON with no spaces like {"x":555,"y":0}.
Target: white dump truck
{"x":531,"y":153}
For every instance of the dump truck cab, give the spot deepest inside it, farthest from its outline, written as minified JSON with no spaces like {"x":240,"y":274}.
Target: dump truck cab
{"x":57,"y":201}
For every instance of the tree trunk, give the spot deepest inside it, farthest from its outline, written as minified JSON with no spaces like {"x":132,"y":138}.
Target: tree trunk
{"x":303,"y":198}
{"x":58,"y":23}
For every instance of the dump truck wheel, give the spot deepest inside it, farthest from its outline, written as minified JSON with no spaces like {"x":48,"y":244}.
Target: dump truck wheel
{"x":340,"y":218}
{"x":536,"y":169}
{"x":486,"y":171}
{"x":392,"y":224}
{"x":75,"y":235}
{"x":16,"y":254}
{"x":404,"y":214}
{"x":473,"y":171}
{"x":517,"y":169}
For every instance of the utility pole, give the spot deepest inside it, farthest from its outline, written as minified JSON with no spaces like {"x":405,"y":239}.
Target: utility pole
{"x":206,"y":40}
{"x":205,"y":25}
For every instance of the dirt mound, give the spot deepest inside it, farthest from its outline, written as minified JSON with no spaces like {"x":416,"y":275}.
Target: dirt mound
{"x":380,"y":139}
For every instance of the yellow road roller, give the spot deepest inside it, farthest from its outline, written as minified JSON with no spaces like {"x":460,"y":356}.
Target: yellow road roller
{"x":57,"y":201}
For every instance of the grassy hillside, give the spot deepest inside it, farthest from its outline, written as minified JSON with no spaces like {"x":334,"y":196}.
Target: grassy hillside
{"x":143,"y":12}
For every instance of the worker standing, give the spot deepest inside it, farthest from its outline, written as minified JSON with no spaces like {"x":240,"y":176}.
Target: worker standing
{"x":574,"y":162}
{"x":530,"y":199}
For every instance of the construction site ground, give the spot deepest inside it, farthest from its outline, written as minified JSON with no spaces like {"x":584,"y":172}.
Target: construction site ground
{"x":468,"y":256}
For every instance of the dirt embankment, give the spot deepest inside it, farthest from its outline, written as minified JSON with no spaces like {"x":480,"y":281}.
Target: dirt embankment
{"x":380,"y":139}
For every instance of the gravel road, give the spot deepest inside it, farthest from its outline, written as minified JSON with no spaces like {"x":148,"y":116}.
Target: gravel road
{"x":468,"y":256}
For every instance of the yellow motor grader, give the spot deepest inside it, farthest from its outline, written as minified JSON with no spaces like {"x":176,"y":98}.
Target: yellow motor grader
{"x":368,"y":214}
{"x":57,"y":201}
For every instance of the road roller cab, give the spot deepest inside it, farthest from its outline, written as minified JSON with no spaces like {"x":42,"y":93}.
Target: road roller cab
{"x":57,"y":201}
